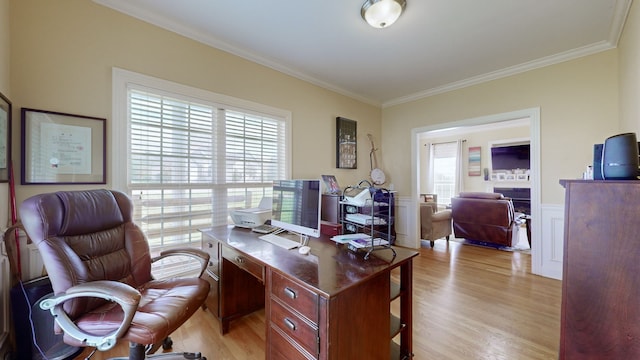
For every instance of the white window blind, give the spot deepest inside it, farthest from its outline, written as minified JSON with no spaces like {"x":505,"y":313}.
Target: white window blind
{"x":192,"y":161}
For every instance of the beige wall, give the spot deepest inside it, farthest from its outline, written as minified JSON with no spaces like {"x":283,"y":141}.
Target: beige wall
{"x":62,"y":54}
{"x":61,"y":57}
{"x":578,"y":103}
{"x":629,"y":48}
{"x":5,"y":89}
{"x":473,"y":137}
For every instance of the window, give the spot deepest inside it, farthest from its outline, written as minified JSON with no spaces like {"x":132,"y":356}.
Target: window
{"x":187,"y":157}
{"x":444,"y":171}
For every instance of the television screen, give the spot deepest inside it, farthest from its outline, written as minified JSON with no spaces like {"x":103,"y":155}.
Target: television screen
{"x":510,"y":157}
{"x":296,"y":206}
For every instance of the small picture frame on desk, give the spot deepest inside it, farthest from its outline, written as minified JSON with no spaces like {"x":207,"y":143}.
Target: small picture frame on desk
{"x":331,"y":184}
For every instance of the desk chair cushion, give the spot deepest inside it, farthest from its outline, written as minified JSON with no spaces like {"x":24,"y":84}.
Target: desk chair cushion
{"x":86,"y":236}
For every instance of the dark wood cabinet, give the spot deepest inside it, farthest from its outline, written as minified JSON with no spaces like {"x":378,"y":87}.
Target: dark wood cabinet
{"x":329,"y":305}
{"x":601,"y":271}
{"x":330,"y":210}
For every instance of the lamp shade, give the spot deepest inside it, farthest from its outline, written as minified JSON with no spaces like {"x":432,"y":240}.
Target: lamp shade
{"x":382,"y":13}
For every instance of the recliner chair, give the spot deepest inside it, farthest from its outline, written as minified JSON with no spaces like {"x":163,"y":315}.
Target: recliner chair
{"x":99,"y":264}
{"x":485,"y":217}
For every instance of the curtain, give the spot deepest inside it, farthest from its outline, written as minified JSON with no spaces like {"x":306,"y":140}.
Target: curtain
{"x":459,"y":182}
{"x":431,"y":188}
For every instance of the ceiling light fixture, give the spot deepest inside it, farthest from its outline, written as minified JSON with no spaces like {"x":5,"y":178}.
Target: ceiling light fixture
{"x":382,"y":13}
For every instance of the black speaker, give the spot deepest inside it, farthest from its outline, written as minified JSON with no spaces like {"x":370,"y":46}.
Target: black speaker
{"x":597,"y":162}
{"x":620,"y":157}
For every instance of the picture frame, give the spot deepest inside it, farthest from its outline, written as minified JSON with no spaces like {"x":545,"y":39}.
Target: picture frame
{"x":346,"y":143}
{"x":474,"y":161}
{"x":61,"y":148}
{"x":331,"y":184}
{"x":5,"y":138}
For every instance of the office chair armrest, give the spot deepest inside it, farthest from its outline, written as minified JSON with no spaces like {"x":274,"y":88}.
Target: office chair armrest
{"x":198,"y":254}
{"x":124,"y":295}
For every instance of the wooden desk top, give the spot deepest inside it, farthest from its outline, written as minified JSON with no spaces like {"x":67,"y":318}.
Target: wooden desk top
{"x":329,"y":268}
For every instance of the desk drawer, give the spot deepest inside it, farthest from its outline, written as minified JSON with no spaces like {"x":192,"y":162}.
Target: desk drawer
{"x":280,"y":347}
{"x":304,"y":332}
{"x":243,"y":262}
{"x":211,"y":246}
{"x":213,"y":298}
{"x":297,"y":297}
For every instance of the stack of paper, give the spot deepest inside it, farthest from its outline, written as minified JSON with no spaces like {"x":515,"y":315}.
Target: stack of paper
{"x":365,"y":219}
{"x":342,"y":239}
{"x":360,"y":243}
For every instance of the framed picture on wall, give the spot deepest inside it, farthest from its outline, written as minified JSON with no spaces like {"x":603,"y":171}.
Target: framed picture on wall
{"x":474,"y":161}
{"x":346,"y":143}
{"x":59,"y":148}
{"x":5,"y":138}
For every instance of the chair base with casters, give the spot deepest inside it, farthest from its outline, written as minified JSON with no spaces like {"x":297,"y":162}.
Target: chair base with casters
{"x":99,"y":264}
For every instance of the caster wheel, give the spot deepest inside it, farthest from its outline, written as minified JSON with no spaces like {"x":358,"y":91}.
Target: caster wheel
{"x":167,"y":344}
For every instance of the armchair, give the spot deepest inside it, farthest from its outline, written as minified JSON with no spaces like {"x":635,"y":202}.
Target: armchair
{"x":434,"y":224}
{"x":486,"y":217}
{"x":99,"y":264}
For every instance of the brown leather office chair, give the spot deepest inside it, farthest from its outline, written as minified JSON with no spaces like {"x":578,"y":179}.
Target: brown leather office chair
{"x":99,"y":264}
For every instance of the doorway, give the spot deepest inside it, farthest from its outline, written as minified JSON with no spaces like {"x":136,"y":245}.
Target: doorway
{"x":533,"y":116}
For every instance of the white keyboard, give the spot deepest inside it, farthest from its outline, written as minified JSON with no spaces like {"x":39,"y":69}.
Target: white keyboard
{"x":280,"y":241}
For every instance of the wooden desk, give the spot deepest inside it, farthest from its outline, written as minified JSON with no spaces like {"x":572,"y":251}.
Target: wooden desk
{"x":331,"y":304}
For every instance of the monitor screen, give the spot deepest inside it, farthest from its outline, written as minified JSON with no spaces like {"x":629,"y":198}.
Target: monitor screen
{"x":510,"y":157}
{"x":296,"y":206}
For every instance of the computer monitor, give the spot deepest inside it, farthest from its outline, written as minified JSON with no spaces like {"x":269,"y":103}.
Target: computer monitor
{"x":296,"y":206}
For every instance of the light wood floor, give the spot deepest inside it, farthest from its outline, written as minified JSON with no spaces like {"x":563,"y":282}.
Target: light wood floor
{"x":469,"y":303}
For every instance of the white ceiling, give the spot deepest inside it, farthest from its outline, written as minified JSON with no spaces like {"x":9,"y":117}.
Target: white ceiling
{"x":435,"y":46}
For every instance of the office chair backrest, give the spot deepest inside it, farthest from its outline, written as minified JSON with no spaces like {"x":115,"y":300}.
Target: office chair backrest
{"x":85,"y":236}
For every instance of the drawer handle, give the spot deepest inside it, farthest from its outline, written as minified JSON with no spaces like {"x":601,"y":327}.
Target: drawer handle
{"x":290,"y":324}
{"x":210,"y":245}
{"x":290,"y":293}
{"x":239,"y":259}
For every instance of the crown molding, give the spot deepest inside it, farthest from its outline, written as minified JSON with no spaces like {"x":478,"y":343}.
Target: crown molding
{"x":619,"y":17}
{"x":506,"y":72}
{"x":135,"y":11}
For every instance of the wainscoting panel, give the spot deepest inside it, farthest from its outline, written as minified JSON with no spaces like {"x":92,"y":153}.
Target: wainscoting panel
{"x":402,"y":224}
{"x":549,"y":261}
{"x":36,"y":266}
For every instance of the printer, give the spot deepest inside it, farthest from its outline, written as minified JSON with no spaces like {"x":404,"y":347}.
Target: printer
{"x":250,"y":218}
